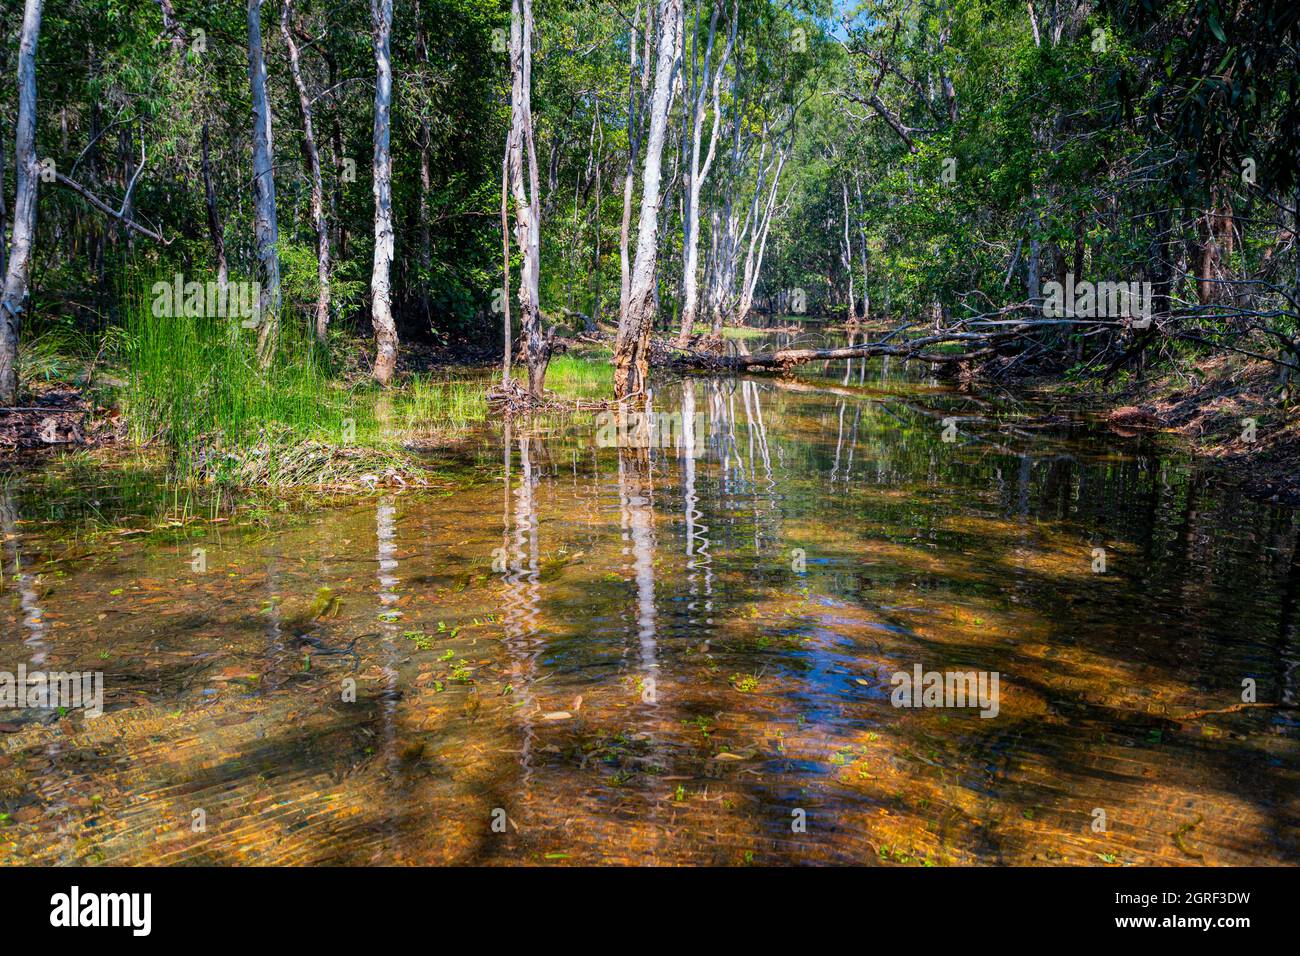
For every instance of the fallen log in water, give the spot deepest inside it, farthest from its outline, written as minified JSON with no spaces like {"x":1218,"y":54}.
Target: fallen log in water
{"x":979,"y":344}
{"x":788,"y":358}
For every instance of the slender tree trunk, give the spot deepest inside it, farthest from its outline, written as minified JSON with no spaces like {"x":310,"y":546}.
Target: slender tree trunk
{"x":26,"y":173}
{"x":863,"y":251}
{"x":591,"y":323}
{"x":4,"y":207}
{"x":381,"y":308}
{"x":265,"y":227}
{"x":848,"y":253}
{"x":631,"y":349}
{"x":311,"y":156}
{"x":505,"y":261}
{"x":215,"y":230}
{"x":758,"y":238}
{"x":523,"y":153}
{"x":697,"y":175}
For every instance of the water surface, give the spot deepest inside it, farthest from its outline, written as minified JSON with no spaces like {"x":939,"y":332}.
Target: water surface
{"x":582,"y":654}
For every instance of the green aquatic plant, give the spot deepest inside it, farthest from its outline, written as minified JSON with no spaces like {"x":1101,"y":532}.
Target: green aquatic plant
{"x":462,"y":673}
{"x":421,"y":640}
{"x":745,"y":683}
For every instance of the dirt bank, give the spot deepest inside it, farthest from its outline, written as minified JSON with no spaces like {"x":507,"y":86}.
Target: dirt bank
{"x":1228,"y":410}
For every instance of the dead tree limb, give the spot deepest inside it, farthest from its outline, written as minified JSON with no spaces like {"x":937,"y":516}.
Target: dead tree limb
{"x":979,"y":344}
{"x":118,"y":214}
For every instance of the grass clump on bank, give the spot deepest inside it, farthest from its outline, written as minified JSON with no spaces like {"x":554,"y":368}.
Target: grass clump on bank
{"x":195,"y":387}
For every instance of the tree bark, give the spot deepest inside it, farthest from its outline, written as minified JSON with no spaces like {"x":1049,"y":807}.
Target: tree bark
{"x":864,"y":252}
{"x":848,"y":253}
{"x":381,"y":307}
{"x":172,"y":27}
{"x":524,"y":188}
{"x":265,"y":227}
{"x":26,"y":173}
{"x":505,"y":261}
{"x":311,"y":156}
{"x":631,"y":348}
{"x":698,"y":172}
{"x":762,"y":225}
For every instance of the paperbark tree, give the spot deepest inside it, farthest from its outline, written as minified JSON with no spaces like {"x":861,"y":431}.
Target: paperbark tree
{"x":523,"y":186}
{"x":311,"y":157}
{"x":381,"y":307}
{"x":864,"y":252}
{"x":698,"y":172}
{"x":631,"y":347}
{"x":26,"y":173}
{"x":848,"y":252}
{"x":725,"y":220}
{"x":505,"y":263}
{"x":758,"y":223}
{"x":265,"y":227}
{"x":762,"y":226}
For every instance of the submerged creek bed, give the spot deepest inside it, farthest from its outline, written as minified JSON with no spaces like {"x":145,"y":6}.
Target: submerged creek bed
{"x":587,"y":654}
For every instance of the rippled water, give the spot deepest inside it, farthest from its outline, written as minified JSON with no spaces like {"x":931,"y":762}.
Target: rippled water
{"x":587,"y":654}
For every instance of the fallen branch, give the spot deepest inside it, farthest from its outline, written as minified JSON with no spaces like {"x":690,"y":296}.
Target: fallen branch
{"x":120,"y":214}
{"x":984,"y":343}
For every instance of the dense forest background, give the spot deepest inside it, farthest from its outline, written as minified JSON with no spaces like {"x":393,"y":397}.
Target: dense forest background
{"x":907,"y":160}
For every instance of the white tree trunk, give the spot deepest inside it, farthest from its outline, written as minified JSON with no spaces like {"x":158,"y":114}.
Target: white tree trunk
{"x":26,"y":173}
{"x":505,"y":261}
{"x":633,"y":144}
{"x":848,"y":253}
{"x":758,"y":238}
{"x":381,"y":299}
{"x":265,"y":227}
{"x":523,"y":186}
{"x":631,"y":349}
{"x":699,"y":172}
{"x":863,"y":251}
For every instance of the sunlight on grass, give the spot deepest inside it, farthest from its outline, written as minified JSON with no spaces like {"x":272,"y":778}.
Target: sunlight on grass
{"x":578,"y":376}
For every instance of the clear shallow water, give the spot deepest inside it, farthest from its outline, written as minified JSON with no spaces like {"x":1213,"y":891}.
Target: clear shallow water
{"x":630,"y":657}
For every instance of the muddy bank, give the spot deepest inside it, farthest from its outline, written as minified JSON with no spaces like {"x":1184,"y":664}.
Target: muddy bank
{"x":1227,"y":410}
